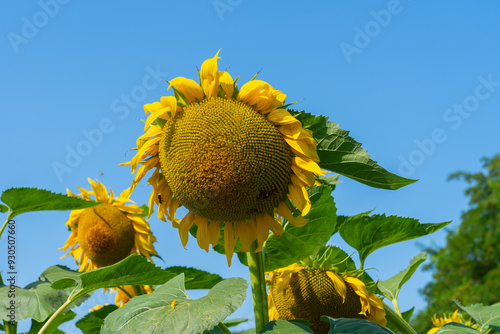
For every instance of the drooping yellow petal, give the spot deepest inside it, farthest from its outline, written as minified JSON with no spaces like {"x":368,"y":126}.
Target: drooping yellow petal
{"x":339,"y":284}
{"x":202,"y":233}
{"x":291,"y":130}
{"x":184,"y":227}
{"x":273,"y":225}
{"x":245,"y":232}
{"x":227,"y":84}
{"x":377,"y":312}
{"x":143,"y":169}
{"x":214,"y":233}
{"x":209,"y":76}
{"x":229,"y":241}
{"x":303,"y":148}
{"x":261,"y":231}
{"x":298,"y":195}
{"x":304,"y":176}
{"x":308,"y":165}
{"x":282,"y":117}
{"x":188,"y":87}
{"x":160,"y":113}
{"x":285,"y":212}
{"x":360,"y":288}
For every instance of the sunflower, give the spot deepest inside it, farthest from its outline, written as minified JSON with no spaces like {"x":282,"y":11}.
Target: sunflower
{"x":235,"y":158}
{"x":109,"y":232}
{"x":455,"y":317}
{"x":297,"y":292}
{"x":126,"y":292}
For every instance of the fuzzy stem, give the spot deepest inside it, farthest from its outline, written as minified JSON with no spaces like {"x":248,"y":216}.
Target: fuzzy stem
{"x":59,"y":310}
{"x":9,"y":218}
{"x":10,"y":328}
{"x":398,"y":321}
{"x":258,"y":283}
{"x":138,"y":290}
{"x":224,"y":328}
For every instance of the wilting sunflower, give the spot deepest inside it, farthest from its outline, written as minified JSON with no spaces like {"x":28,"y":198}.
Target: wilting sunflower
{"x":455,"y":317}
{"x":235,"y":158}
{"x":109,"y":232}
{"x":297,"y":292}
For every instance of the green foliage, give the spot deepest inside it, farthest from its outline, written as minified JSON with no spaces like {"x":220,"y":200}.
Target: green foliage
{"x":3,"y":208}
{"x":53,"y":327}
{"x":21,"y":200}
{"x":391,"y":287}
{"x":297,"y":243}
{"x":285,"y":327}
{"x":454,"y":328}
{"x":341,"y":154}
{"x":484,"y":316}
{"x":92,"y":322}
{"x":38,"y":300}
{"x":468,"y":267}
{"x":354,"y":326}
{"x":369,"y":233}
{"x":195,"y":278}
{"x":153,"y":313}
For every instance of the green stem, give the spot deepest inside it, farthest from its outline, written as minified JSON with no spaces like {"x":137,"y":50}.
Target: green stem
{"x":398,"y":321}
{"x":137,"y":290}
{"x":10,"y":328}
{"x":56,"y":313}
{"x":9,"y":218}
{"x":258,"y":283}
{"x":224,"y":328}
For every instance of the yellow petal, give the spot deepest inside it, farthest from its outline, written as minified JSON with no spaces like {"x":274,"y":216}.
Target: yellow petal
{"x":209,"y":76}
{"x":281,"y":117}
{"x":304,"y":176}
{"x":229,"y":241}
{"x":298,"y":195}
{"x":339,"y":284}
{"x":227,"y":84}
{"x":188,"y":87}
{"x":291,"y":130}
{"x":308,"y":165}
{"x":144,"y":169}
{"x":246,"y":233}
{"x":202,"y":233}
{"x":285,"y":212}
{"x":273,"y":225}
{"x":184,"y":227}
{"x":303,"y":148}
{"x":262,"y":95}
{"x":360,"y":288}
{"x":214,"y":233}
{"x":261,"y":231}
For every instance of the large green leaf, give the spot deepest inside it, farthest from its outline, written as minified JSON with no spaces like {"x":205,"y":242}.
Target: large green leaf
{"x":391,"y":287}
{"x":484,"y":316}
{"x":285,"y":327}
{"x":22,"y":200}
{"x":354,"y":326}
{"x":134,"y":270}
{"x":92,"y":322}
{"x":196,"y":278}
{"x":369,"y":233}
{"x":153,"y":313}
{"x":454,"y":328}
{"x":297,"y":243}
{"x":340,"y":153}
{"x":38,"y":300}
{"x":53,"y":327}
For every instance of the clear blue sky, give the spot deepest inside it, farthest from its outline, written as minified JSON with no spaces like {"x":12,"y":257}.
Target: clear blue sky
{"x":418,"y":82}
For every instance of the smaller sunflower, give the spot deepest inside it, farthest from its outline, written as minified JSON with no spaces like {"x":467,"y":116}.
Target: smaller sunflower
{"x":455,"y":317}
{"x":109,"y":232}
{"x":297,"y":292}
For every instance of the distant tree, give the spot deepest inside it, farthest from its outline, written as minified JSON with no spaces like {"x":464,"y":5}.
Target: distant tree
{"x":468,"y":267}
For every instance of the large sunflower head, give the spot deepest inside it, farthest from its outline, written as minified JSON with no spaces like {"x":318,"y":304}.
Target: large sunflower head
{"x":296,"y":292}
{"x":109,"y":232}
{"x":235,"y":158}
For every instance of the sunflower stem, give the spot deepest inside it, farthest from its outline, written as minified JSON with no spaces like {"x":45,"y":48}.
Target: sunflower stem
{"x":138,"y":290}
{"x":258,"y":283}
{"x":224,"y":328}
{"x":398,"y":320}
{"x":9,"y":327}
{"x":9,"y":218}
{"x":56,"y":313}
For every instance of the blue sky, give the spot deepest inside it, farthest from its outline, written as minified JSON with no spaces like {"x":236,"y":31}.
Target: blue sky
{"x":417,"y":82}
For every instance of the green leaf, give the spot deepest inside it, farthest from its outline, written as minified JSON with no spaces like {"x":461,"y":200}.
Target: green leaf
{"x":234,"y":322}
{"x":454,"y":328}
{"x":297,"y":243}
{"x":3,"y":208}
{"x":391,"y":287}
{"x":406,"y":315}
{"x":38,"y":300}
{"x":330,"y":181}
{"x":92,"y":322}
{"x":21,"y":200}
{"x":53,"y":327}
{"x":133,"y":270}
{"x":484,"y":316}
{"x":340,"y":153}
{"x":329,"y":256}
{"x":285,"y":327}
{"x":354,"y":326}
{"x":195,"y":278}
{"x":369,"y":233}
{"x":153,"y":313}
